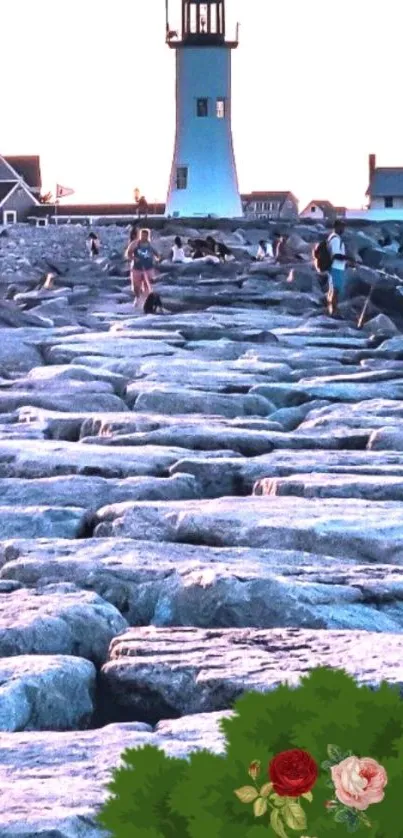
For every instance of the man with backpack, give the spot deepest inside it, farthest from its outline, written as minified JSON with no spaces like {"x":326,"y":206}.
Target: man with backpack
{"x":331,"y":262}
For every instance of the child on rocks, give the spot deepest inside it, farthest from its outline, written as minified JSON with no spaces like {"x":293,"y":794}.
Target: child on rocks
{"x":142,"y":257}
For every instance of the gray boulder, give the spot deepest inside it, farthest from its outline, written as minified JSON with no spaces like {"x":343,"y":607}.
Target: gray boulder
{"x":174,"y":671}
{"x":360,"y":529}
{"x":42,"y":521}
{"x":57,"y":620}
{"x":46,"y":692}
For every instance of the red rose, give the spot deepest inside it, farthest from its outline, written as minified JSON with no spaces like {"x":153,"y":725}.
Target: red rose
{"x":293,"y":773}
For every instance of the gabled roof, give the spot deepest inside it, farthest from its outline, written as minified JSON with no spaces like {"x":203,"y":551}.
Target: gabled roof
{"x":17,"y":186}
{"x":267,"y":196}
{"x":5,"y":188}
{"x":6,"y":171}
{"x":326,"y":206}
{"x":386,"y":182}
{"x":28,"y":167}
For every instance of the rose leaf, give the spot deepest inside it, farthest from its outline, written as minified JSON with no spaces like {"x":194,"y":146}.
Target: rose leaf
{"x":327,"y":765}
{"x":259,"y":807}
{"x":276,"y":823}
{"x":308,"y":796}
{"x":364,"y":820}
{"x":294,"y":815}
{"x":246,"y":794}
{"x":278,"y":801}
{"x":342,"y":815}
{"x":334,"y":753}
{"x":266,"y":789}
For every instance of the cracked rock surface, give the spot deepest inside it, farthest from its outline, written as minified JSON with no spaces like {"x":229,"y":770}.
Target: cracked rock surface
{"x":192,"y":505}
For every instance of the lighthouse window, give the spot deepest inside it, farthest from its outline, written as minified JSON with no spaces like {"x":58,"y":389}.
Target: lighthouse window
{"x":220,"y":108}
{"x":202,"y":107}
{"x":182,"y":177}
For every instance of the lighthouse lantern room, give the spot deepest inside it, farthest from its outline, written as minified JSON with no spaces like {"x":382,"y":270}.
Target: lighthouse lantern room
{"x":203,"y":178}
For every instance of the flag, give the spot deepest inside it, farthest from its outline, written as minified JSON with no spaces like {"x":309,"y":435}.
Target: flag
{"x":63,"y":191}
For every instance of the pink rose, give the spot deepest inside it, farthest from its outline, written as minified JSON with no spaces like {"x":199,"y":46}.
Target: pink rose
{"x":359,"y":782}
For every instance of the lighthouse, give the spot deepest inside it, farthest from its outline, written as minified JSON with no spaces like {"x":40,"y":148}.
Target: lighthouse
{"x":203,"y":176}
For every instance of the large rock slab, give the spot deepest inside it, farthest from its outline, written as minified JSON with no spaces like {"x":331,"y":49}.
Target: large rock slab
{"x":218,"y":477}
{"x":63,"y":399}
{"x":88,"y":493}
{"x":50,"y":458}
{"x":171,"y":672}
{"x":194,"y":401}
{"x":46,"y":692}
{"x":327,"y":485}
{"x":45,"y":377}
{"x":246,"y":441}
{"x":57,"y":620}
{"x":77,"y":767}
{"x":353,"y":391}
{"x":389,"y":438}
{"x":74,"y":426}
{"x":110,"y":346}
{"x":289,"y":395}
{"x":179,"y":585}
{"x":363,"y":530}
{"x":16,"y":354}
{"x":34,"y":521}
{"x":374,"y":413}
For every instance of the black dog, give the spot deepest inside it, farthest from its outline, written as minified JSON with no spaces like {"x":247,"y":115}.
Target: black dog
{"x":153,"y":304}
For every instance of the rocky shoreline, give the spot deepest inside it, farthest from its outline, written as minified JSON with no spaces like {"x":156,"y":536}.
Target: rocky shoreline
{"x":192,"y":505}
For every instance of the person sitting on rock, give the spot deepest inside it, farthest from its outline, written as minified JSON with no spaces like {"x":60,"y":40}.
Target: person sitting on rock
{"x":264,"y":251}
{"x":178,"y":253}
{"x":202,"y":252}
{"x":214,"y":248}
{"x":93,"y":245}
{"x":197,"y":248}
{"x":143,"y":257}
{"x":224,"y":253}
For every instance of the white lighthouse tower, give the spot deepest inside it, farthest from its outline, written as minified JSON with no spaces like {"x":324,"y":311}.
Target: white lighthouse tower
{"x":203,"y":176}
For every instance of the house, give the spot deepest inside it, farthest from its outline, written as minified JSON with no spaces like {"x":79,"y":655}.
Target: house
{"x":322,"y":211}
{"x":270,"y":205}
{"x":20,"y":187}
{"x":90,"y":213}
{"x":385,"y":190}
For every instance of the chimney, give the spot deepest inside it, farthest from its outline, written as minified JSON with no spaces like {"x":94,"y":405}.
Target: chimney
{"x":372,"y":165}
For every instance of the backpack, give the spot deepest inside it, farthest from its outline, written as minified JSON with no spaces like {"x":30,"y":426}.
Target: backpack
{"x":322,"y":256}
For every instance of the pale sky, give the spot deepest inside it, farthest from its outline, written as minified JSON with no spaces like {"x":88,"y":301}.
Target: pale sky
{"x":89,"y":85}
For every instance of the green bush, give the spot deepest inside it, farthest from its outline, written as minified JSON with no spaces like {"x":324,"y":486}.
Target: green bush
{"x":327,"y":715}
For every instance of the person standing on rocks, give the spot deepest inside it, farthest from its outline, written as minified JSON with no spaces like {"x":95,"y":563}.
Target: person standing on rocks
{"x":143,"y":257}
{"x":133,"y":238}
{"x":337,"y":272}
{"x":93,"y":245}
{"x":282,"y":254}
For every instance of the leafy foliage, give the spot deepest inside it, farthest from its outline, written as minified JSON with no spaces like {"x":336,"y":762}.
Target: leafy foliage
{"x":154,"y":795}
{"x":141,"y":788}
